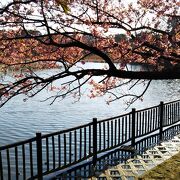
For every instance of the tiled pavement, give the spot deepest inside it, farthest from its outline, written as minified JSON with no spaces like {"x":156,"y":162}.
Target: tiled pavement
{"x":140,"y":163}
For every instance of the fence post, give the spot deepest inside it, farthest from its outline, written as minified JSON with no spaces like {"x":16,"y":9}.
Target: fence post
{"x":161,"y":109}
{"x":94,"y":141}
{"x":133,"y":127}
{"x":39,"y":156}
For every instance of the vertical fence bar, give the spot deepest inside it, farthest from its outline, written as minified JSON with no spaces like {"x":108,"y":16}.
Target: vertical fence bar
{"x":137,"y":125}
{"x":176,"y":112}
{"x":104,"y":136}
{"x":65,"y":159}
{"x":16,"y":162}
{"x":108,"y":134}
{"x":24,"y":162}
{"x":119,"y":131}
{"x":75,"y":146}
{"x":31,"y":159}
{"x":133,"y":113}
{"x":150,"y":122}
{"x":1,"y":167}
{"x":8,"y":164}
{"x":122,"y":128}
{"x":85,"y":143}
{"x":115,"y":132}
{"x":165,"y":115}
{"x":146,"y":122}
{"x":112,"y":131}
{"x":47,"y":153}
{"x":53,"y":153}
{"x":70,"y":148}
{"x":39,"y":155}
{"x":99,"y":136}
{"x":80,"y":144}
{"x":59,"y":150}
{"x":94,"y":141}
{"x":90,"y":139}
{"x":126,"y":128}
{"x":143,"y":123}
{"x":140,"y":123}
{"x":168,"y":115}
{"x":157,"y":118}
{"x":161,"y":120}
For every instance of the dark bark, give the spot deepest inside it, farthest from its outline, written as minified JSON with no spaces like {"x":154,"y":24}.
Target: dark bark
{"x":153,"y":75}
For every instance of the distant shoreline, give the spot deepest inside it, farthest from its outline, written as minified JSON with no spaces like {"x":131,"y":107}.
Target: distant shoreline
{"x":97,"y":59}
{"x":93,"y":58}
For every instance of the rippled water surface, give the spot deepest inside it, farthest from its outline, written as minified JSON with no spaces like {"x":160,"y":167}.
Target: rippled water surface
{"x":20,"y":120}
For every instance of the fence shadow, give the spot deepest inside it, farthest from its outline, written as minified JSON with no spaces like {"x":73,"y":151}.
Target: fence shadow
{"x":117,"y":156}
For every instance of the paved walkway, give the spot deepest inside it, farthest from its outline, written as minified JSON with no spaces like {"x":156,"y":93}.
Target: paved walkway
{"x":139,"y":165}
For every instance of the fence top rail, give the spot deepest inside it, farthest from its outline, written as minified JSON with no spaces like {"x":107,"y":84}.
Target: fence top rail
{"x":171,"y":102}
{"x":17,"y":144}
{"x":43,"y":136}
{"x":66,"y":130}
{"x":146,"y":109}
{"x":115,"y":117}
{"x":141,"y":110}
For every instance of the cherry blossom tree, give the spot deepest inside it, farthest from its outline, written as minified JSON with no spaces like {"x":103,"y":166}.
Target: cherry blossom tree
{"x":42,"y":34}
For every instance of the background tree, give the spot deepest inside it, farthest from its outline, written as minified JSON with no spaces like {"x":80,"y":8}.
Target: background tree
{"x":54,"y":33}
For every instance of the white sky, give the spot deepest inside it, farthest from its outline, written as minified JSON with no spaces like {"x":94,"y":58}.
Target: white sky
{"x":112,"y":31}
{"x":4,"y":2}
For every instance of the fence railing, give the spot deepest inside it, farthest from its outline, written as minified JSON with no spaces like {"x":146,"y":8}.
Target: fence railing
{"x":116,"y":156}
{"x":44,"y":154}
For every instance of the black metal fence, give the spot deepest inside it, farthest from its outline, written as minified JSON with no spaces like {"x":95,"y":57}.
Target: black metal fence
{"x":44,"y":154}
{"x":116,"y":156}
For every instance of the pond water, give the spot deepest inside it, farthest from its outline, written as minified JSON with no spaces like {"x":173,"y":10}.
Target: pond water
{"x":20,"y":120}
